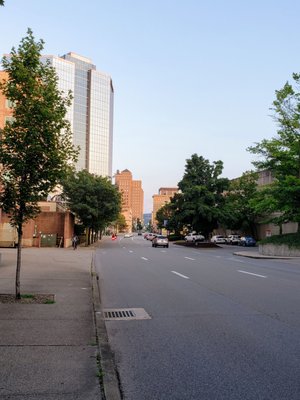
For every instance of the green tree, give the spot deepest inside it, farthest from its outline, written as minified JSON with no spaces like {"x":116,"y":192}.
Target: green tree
{"x":200,"y":203}
{"x":168,"y":216}
{"x":240,"y":209}
{"x":120,"y":223}
{"x":281,"y":154}
{"x":1,"y":2}
{"x":93,"y":199}
{"x":36,"y":146}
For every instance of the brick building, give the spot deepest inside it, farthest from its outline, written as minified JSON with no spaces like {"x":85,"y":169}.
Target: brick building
{"x":132,"y":197}
{"x":53,"y":226}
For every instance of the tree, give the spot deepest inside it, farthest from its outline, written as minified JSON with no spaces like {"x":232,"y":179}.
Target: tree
{"x":120,"y":223}
{"x":168,"y":216}
{"x":281,"y":154}
{"x":240,"y":209}
{"x":93,"y":199}
{"x":1,"y":2}
{"x":201,"y":200}
{"x":36,"y":146}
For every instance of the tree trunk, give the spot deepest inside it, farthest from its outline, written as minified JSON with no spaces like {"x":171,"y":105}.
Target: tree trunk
{"x":18,"y":269}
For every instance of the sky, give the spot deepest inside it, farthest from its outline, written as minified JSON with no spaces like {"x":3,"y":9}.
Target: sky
{"x":189,"y":76}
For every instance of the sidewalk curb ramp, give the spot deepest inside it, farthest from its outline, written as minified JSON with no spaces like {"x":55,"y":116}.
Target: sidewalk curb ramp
{"x":108,"y":376}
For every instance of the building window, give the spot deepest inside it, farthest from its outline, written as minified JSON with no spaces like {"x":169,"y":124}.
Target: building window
{"x":9,"y":120}
{"x":9,"y":103}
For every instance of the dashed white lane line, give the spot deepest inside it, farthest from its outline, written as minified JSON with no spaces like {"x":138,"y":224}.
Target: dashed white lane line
{"x":130,"y":251}
{"x":182,"y":276}
{"x":251,"y":273}
{"x":144,"y":258}
{"x":189,"y":258}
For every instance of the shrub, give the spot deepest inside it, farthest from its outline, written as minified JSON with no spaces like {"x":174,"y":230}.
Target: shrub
{"x":289,"y":239}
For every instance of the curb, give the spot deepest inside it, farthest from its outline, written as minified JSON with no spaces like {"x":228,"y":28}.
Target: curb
{"x":262,"y":256}
{"x":110,"y":388}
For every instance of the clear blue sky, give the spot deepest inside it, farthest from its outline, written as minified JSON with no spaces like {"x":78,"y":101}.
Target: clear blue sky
{"x":190,"y":76}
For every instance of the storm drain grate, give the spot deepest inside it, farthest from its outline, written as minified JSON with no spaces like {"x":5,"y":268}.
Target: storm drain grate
{"x":125,"y":314}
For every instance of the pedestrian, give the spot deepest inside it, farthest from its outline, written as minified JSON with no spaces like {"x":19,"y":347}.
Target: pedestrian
{"x":75,"y":241}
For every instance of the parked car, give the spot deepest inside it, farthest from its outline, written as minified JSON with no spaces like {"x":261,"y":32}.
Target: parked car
{"x":194,"y":237}
{"x":233,"y":239}
{"x":151,"y":236}
{"x":160,"y":240}
{"x":218,"y":239}
{"x":247,"y":241}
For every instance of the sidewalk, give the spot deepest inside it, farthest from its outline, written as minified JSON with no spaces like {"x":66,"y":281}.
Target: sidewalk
{"x":48,"y":351}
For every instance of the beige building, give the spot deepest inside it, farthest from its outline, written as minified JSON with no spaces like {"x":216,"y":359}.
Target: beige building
{"x":132,"y":197}
{"x":159,"y":200}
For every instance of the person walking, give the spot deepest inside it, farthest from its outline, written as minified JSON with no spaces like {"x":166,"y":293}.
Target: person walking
{"x":75,"y":241}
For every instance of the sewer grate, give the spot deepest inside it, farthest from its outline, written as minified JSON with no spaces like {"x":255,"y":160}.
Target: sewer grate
{"x":125,"y":314}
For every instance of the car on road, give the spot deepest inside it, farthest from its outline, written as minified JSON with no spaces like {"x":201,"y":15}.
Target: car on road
{"x":218,"y":239}
{"x":247,"y":241}
{"x":128,"y":235}
{"x":160,"y":240}
{"x":233,"y":239}
{"x":150,"y":236}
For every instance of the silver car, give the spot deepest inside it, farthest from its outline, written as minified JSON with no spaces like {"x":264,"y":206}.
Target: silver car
{"x":160,"y":240}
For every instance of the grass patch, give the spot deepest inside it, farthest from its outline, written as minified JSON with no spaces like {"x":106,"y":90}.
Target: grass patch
{"x":27,"y":296}
{"x":291,"y":240}
{"x":49,"y":302}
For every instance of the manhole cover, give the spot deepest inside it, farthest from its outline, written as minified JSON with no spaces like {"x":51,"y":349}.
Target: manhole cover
{"x":125,"y":314}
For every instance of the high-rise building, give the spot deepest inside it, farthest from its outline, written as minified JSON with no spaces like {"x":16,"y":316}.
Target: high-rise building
{"x":159,"y":200}
{"x":132,"y":196}
{"x":91,"y":112}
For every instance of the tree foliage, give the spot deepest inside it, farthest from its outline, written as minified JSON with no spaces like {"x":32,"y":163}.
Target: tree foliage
{"x":93,"y":199}
{"x":36,"y":146}
{"x":168,"y":216}
{"x":201,"y":199}
{"x":239,"y":210}
{"x":281,"y":154}
{"x":120,"y":223}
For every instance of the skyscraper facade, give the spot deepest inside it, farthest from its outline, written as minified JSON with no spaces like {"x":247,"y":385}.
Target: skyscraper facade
{"x":91,"y":112}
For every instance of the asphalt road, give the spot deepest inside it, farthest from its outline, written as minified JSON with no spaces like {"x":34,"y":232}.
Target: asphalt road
{"x":221,"y":327}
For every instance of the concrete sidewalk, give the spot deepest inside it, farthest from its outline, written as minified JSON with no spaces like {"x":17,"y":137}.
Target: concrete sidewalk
{"x":48,"y":351}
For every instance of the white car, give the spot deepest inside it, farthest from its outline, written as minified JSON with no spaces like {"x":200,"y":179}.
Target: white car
{"x":151,"y":236}
{"x":128,"y":235}
{"x":218,"y":239}
{"x":233,"y":239}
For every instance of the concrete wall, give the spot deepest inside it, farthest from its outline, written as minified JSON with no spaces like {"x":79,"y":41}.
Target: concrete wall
{"x":278,"y":250}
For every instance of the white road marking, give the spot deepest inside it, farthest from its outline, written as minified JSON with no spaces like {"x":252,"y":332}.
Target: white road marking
{"x":163,"y":251}
{"x":130,"y":251}
{"x":144,"y":258}
{"x":182,"y":276}
{"x":189,"y":258}
{"x":250,"y":273}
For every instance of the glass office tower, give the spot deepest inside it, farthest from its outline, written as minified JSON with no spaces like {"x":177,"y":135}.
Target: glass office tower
{"x":91,"y":113}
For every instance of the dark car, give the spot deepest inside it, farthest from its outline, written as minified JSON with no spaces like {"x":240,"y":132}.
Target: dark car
{"x":160,"y":240}
{"x":247,"y":241}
